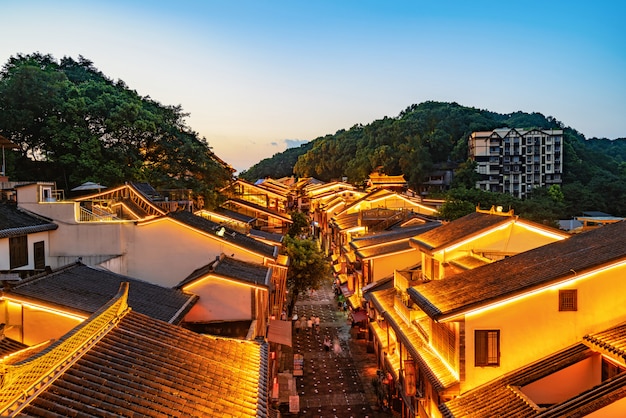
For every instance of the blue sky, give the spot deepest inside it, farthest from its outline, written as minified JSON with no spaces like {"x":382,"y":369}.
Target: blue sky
{"x":258,"y":76}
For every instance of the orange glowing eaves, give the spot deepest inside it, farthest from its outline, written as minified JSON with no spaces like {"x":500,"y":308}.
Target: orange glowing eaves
{"x":44,"y":308}
{"x":569,"y":280}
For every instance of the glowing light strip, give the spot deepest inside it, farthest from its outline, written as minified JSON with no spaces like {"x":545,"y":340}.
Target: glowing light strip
{"x":207,"y":235}
{"x":543,"y":232}
{"x":387,"y":255}
{"x":552,"y":286}
{"x":453,"y":372}
{"x":411,"y":202}
{"x":242,"y":282}
{"x":45,"y":309}
{"x":475,"y":237}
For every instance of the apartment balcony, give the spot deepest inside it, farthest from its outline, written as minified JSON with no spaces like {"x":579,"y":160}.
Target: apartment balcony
{"x":407,"y":314}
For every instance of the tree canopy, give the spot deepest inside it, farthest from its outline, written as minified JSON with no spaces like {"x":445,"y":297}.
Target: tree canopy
{"x":307,"y":266}
{"x":435,"y":134}
{"x":73,"y":124}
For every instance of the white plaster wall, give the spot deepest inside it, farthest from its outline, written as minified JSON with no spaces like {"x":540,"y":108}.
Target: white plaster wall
{"x":220,"y":300}
{"x":88,"y":240}
{"x":164,"y":252}
{"x":5,"y":259}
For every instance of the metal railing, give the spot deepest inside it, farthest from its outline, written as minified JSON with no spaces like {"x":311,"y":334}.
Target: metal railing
{"x":85,"y":215}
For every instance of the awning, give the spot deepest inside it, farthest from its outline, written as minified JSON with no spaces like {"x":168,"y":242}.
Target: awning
{"x":336,"y":268}
{"x":359,"y":315}
{"x":346,"y":290}
{"x":355,"y":301}
{"x":279,"y":332}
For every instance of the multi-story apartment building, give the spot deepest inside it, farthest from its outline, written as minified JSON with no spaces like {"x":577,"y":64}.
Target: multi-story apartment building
{"x":515,"y":161}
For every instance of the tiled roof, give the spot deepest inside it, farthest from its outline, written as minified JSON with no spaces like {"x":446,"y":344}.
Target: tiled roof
{"x":145,"y":367}
{"x":230,"y":235}
{"x":392,"y":235}
{"x":383,"y":249}
{"x":9,"y":346}
{"x":611,"y":341}
{"x":85,"y":289}
{"x":266,"y":236}
{"x":272,"y":213}
{"x":346,"y":221}
{"x":234,"y":215}
{"x":458,"y":230}
{"x":430,"y":363}
{"x":234,"y":269}
{"x":146,"y":190}
{"x":522,"y":272}
{"x":15,"y":221}
{"x":501,"y":397}
{"x":468,"y":262}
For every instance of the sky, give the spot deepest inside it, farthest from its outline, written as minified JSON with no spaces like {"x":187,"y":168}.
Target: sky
{"x":259,"y":76}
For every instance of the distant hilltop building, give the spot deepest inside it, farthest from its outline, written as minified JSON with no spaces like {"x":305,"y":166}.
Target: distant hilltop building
{"x":515,"y":161}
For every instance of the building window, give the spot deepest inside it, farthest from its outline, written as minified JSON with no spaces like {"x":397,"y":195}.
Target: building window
{"x":18,"y":251}
{"x":568,"y":300}
{"x":39,"y":255}
{"x":487,"y":348}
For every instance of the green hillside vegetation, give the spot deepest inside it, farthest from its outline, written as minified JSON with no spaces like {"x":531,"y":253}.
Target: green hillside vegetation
{"x":73,"y":124}
{"x":433,"y":134}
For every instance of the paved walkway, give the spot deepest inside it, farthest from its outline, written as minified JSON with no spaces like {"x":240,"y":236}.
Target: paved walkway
{"x":333,"y":384}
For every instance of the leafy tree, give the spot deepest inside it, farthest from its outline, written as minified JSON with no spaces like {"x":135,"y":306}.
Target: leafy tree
{"x":300,"y":223}
{"x":308,"y":269}
{"x":79,"y":125}
{"x":453,"y":209}
{"x":466,"y":175}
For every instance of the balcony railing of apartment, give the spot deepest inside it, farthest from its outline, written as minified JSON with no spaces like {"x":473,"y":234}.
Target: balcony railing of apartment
{"x":95,"y":215}
{"x":407,"y":314}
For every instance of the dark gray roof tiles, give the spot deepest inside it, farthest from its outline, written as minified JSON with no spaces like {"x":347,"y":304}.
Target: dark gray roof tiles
{"x":15,"y":222}
{"x":240,"y":202}
{"x":267,"y":236}
{"x":145,"y":367}
{"x":235,"y":215}
{"x":392,"y":235}
{"x":229,"y":235}
{"x":522,"y":272}
{"x":85,"y":289}
{"x":234,"y":269}
{"x":10,"y":346}
{"x":458,"y":229}
{"x":384,"y":249}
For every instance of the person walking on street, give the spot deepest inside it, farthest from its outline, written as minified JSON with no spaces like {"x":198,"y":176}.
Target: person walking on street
{"x":336,"y":347}
{"x":327,"y":343}
{"x":297,"y":326}
{"x":317,"y":323}
{"x":309,"y":325}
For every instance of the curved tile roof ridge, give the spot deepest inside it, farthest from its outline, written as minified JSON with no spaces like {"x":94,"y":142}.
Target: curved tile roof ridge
{"x":22,"y":380}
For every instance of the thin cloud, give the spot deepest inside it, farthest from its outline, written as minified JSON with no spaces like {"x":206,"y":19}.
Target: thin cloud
{"x":294,"y":143}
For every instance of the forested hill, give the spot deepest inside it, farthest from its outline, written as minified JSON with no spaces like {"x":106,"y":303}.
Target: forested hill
{"x":434,"y":133}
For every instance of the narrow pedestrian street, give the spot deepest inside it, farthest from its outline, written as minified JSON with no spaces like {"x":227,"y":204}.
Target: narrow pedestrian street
{"x":334,"y":382}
